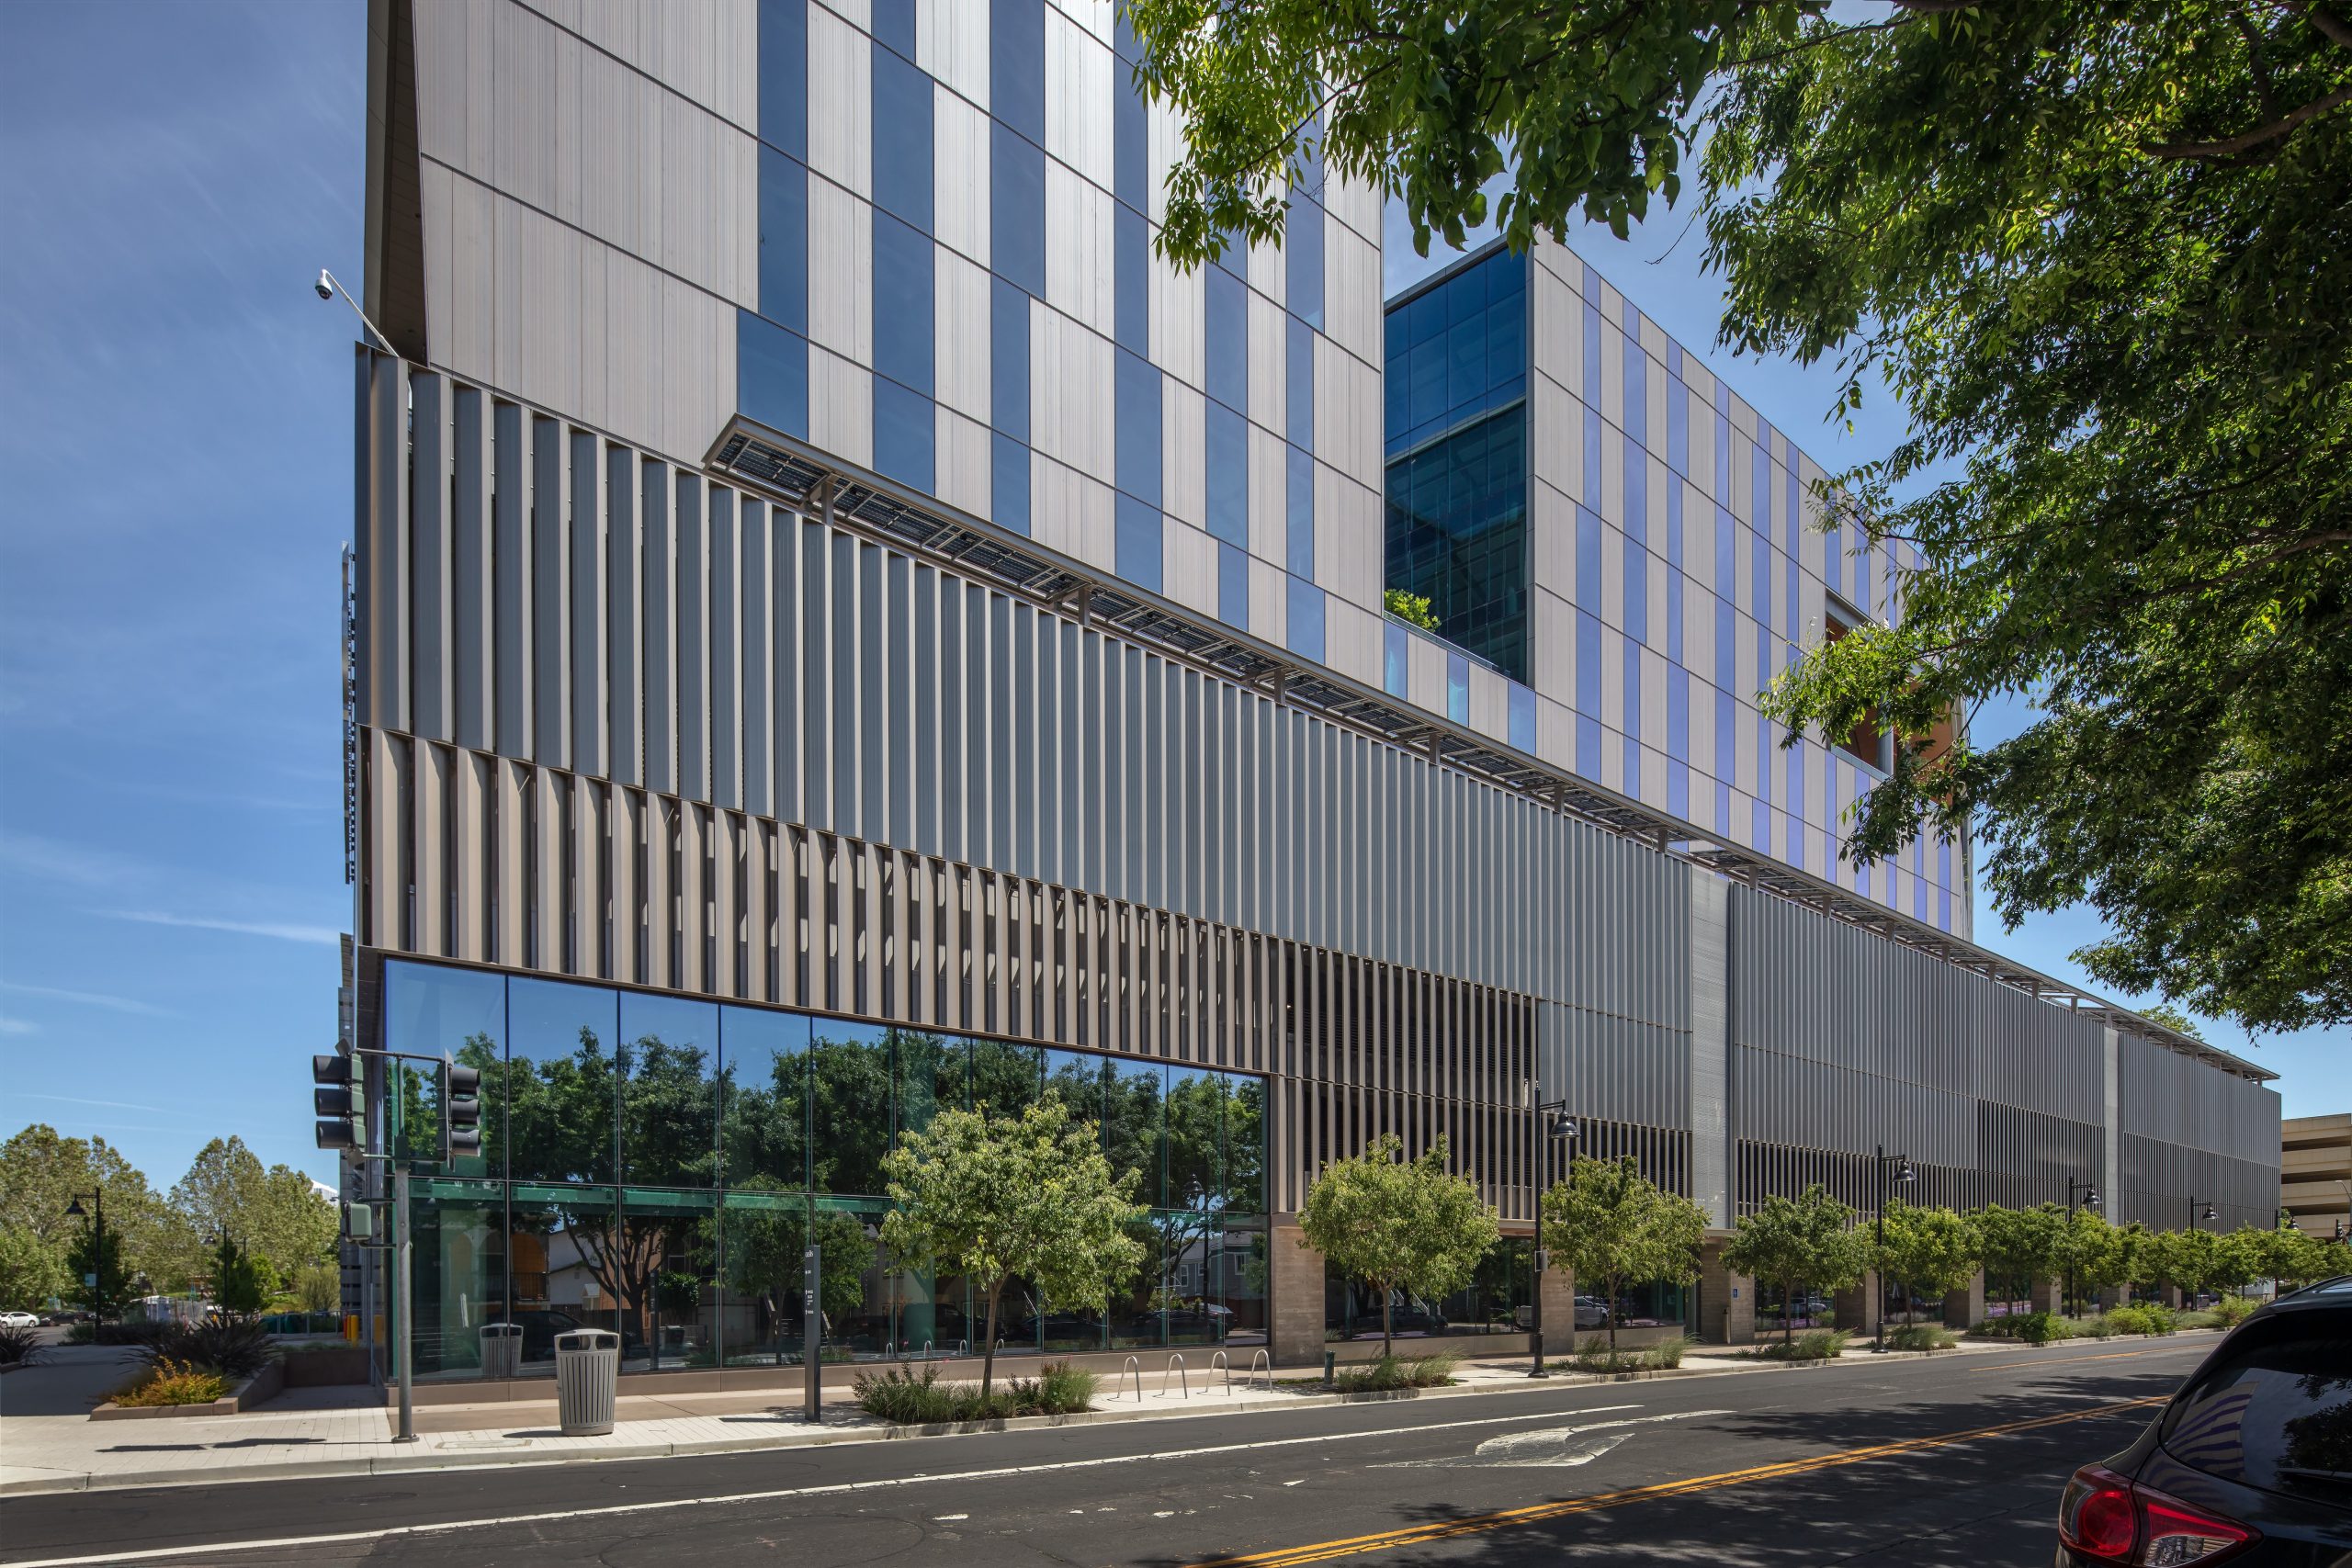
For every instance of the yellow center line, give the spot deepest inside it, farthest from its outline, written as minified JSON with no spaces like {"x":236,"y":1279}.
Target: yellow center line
{"x":1478,"y":1524}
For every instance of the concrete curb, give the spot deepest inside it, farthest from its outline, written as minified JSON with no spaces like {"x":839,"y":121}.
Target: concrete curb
{"x":797,"y":1438}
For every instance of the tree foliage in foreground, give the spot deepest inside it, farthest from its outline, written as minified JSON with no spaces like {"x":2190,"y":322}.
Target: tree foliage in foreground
{"x":993,"y":1197}
{"x":1611,"y":1223}
{"x":2100,"y":253}
{"x":1398,"y":1225}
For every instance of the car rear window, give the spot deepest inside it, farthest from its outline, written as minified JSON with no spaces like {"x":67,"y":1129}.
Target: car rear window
{"x":2274,"y":1411}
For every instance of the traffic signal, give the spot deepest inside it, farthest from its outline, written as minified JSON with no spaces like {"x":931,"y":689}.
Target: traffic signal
{"x":461,"y":1112}
{"x":341,"y":1097}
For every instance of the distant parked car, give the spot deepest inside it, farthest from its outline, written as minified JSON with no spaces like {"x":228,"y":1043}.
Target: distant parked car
{"x":1591,"y":1313}
{"x":19,"y":1320}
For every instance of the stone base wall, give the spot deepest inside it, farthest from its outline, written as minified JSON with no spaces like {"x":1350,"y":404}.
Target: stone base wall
{"x":1727,"y":1300}
{"x":1295,"y":1286}
{"x":1964,"y":1308}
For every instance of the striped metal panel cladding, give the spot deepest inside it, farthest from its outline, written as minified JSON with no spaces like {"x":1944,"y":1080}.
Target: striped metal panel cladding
{"x":690,"y":738}
{"x":2200,"y":1133}
{"x":1840,"y":1042}
{"x":650,"y":624}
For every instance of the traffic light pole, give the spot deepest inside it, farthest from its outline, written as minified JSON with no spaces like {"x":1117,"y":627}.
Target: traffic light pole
{"x":404,"y":1346}
{"x":455,"y":1106}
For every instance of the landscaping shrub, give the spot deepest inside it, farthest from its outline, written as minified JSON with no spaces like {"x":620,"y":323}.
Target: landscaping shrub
{"x":1384,"y":1374}
{"x":2037,"y":1327}
{"x":19,"y":1347}
{"x":2140,"y":1320}
{"x":172,"y":1382}
{"x":910,"y":1398}
{"x":1815,"y":1345}
{"x":235,"y":1347}
{"x":2093,"y":1328}
{"x":1595,"y":1356}
{"x":1811,"y":1346}
{"x":2231,"y":1311}
{"x":1920,"y":1337}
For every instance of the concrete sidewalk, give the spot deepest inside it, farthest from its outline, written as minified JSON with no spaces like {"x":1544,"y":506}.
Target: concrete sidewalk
{"x":49,"y":1444}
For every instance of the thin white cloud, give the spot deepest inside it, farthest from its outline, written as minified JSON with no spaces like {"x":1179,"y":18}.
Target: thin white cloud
{"x":18,"y":1026}
{"x":88,"y":999}
{"x":329,"y":935}
{"x":110,"y":1104}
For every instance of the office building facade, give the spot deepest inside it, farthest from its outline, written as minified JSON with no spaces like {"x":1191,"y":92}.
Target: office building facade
{"x":840,"y":628}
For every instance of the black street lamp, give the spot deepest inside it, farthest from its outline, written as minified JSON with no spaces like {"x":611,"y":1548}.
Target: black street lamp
{"x":73,"y":1211}
{"x":1901,"y":1172}
{"x":2089,"y":1199}
{"x":2197,"y":1213}
{"x":1560,"y":1127}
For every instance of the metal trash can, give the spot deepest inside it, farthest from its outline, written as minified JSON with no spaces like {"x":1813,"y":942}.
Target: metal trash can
{"x":587,"y":1379}
{"x":501,"y":1349}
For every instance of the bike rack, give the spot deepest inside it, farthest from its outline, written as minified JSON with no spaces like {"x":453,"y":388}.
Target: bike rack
{"x":1251,"y":1381}
{"x":1175,"y":1369}
{"x":1219,"y":1363}
{"x":1136,"y":1367}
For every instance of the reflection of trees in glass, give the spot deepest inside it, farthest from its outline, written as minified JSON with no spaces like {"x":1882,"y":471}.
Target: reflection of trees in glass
{"x":1245,"y":1146}
{"x":766,"y":1131}
{"x":849,"y":1092}
{"x":1005,"y":1078}
{"x":2319,"y":1446}
{"x":931,"y":1075}
{"x":565,"y":1115}
{"x":1131,"y":1123}
{"x":764,"y":1245}
{"x":1195,"y":1193}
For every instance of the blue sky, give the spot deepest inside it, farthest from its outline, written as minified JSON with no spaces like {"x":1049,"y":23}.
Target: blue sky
{"x":175,"y":463}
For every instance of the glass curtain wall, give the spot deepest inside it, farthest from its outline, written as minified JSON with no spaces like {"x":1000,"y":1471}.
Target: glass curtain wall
{"x":656,"y":1165}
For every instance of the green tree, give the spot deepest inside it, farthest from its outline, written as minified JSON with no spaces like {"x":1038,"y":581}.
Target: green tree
{"x":2021,"y":1247}
{"x":1926,"y":1249}
{"x":1413,"y":609}
{"x":1611,"y":1223}
{"x":241,"y":1283}
{"x":31,"y":1271}
{"x":279,"y":1216}
{"x":1807,"y":1242}
{"x":2187,"y":1260}
{"x":2095,"y":1255}
{"x":100,"y":1281}
{"x":318,"y":1287}
{"x":994,"y":1197}
{"x":2172,"y":1017}
{"x":2099,"y":256}
{"x":41,"y":1175}
{"x":1398,"y":1224}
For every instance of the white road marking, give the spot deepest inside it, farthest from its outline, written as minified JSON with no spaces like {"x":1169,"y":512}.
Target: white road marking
{"x":947,"y":1518}
{"x":1552,"y":1446}
{"x":997,"y":1473}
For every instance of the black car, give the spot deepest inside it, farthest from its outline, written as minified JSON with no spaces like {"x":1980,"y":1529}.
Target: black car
{"x":2250,"y":1462}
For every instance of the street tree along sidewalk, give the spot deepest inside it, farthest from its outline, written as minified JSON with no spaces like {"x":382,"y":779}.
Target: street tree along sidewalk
{"x":1398,"y":1225}
{"x":1807,"y":1242}
{"x":2021,"y":1246}
{"x":1611,"y":1224}
{"x":1926,"y":1249}
{"x":995,"y":1197}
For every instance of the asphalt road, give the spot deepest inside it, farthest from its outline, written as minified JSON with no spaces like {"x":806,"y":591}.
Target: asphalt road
{"x":1957,"y":1460}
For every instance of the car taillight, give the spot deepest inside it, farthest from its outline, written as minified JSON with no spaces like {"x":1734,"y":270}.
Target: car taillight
{"x":2108,"y":1519}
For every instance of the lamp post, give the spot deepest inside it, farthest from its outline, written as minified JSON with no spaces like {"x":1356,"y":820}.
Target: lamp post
{"x":2197,"y":1213}
{"x":73,"y":1211}
{"x":1901,"y":1172}
{"x":1562,"y":1127}
{"x":2090,"y":1200}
